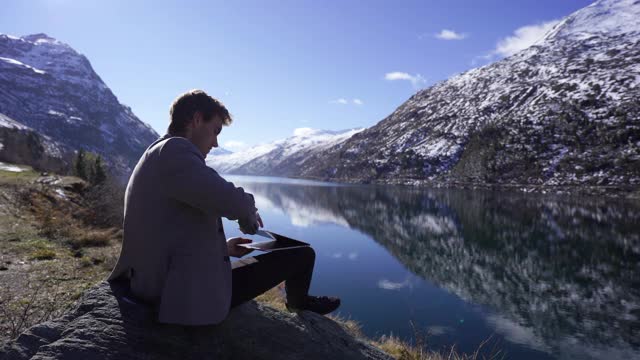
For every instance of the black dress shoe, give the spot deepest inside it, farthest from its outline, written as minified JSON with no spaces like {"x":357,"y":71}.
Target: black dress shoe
{"x":318,"y":304}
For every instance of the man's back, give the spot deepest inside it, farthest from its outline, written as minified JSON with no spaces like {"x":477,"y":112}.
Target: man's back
{"x":174,"y":248}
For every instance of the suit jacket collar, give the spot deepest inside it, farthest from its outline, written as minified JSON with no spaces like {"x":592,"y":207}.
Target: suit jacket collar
{"x":168,"y":136}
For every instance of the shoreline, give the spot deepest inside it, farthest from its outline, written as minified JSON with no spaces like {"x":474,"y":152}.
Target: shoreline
{"x":626,"y":192}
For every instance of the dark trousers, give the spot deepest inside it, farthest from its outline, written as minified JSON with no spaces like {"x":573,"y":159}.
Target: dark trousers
{"x":255,"y":275}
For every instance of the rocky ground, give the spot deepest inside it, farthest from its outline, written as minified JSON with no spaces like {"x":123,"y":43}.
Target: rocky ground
{"x":106,"y":326}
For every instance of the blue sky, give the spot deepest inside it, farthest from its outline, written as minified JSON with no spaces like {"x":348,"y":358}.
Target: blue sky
{"x":282,"y":65}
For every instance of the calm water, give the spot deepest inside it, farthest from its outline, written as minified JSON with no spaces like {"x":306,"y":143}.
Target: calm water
{"x":540,"y":277}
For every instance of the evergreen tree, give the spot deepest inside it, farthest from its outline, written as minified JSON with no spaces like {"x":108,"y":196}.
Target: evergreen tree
{"x":80,"y":166}
{"x":99,"y":174}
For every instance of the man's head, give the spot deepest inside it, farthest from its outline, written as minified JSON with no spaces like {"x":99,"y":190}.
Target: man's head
{"x":199,"y":118}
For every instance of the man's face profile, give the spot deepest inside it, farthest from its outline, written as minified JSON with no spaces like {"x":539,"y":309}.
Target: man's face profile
{"x":204,"y":134}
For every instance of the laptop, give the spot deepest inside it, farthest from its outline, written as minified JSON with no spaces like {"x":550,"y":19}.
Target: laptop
{"x":278,"y":242}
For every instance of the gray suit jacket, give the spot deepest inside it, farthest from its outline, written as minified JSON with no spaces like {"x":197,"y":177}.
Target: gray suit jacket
{"x":174,"y":249}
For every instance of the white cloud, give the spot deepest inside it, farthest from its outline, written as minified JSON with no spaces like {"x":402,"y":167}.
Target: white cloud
{"x":234,"y":145}
{"x":353,"y":255}
{"x":343,"y":101}
{"x":522,"y":38}
{"x":339,"y":101}
{"x":304,"y":131}
{"x":416,"y":80}
{"x":446,"y":34}
{"x":397,"y":76}
{"x":336,"y":255}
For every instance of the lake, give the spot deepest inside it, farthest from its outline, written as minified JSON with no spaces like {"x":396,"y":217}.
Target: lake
{"x":534,"y":276}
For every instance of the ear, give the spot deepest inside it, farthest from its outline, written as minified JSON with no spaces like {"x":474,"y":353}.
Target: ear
{"x":197,"y":119}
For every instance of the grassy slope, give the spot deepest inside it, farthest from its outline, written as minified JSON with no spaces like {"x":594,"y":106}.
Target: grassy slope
{"x":42,"y":272}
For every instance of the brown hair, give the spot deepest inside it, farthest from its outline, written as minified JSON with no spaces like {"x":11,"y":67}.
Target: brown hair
{"x":185,"y":106}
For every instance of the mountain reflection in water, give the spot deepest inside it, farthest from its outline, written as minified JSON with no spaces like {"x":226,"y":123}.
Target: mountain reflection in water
{"x":560,"y":275}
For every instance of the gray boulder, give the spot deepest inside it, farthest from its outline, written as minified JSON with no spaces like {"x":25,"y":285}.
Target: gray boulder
{"x":105,"y":326}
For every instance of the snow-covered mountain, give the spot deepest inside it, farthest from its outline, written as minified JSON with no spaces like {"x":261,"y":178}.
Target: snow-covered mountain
{"x":564,"y":111}
{"x":47,"y":86}
{"x":282,"y":157}
{"x":20,"y":144}
{"x":220,"y":151}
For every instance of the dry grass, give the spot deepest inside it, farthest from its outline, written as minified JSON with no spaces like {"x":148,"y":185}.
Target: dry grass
{"x":49,"y":254}
{"x":37,"y":248}
{"x":43,"y":254}
{"x":63,"y":220}
{"x":353,"y":327}
{"x":92,"y":238}
{"x":40,"y":302}
{"x":274,"y":298}
{"x":402,"y":350}
{"x":40,"y":278}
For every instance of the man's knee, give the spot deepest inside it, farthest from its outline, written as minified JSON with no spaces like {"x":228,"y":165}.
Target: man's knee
{"x":307,"y":252}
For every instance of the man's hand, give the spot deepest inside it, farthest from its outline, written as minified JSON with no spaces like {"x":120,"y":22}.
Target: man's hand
{"x":235,"y":250}
{"x":251,"y":225}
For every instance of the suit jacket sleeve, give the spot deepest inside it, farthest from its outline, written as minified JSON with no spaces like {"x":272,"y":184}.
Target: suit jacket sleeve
{"x":188,"y":179}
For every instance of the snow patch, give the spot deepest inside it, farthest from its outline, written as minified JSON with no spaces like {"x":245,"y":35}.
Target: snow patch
{"x":21,"y":64}
{"x":7,"y":122}
{"x":61,"y":194}
{"x":55,"y":113}
{"x":9,"y":167}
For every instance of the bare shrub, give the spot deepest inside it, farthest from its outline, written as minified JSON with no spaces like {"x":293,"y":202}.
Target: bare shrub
{"x":90,"y":238}
{"x":40,"y":301}
{"x":43,"y":254}
{"x":106,"y":204}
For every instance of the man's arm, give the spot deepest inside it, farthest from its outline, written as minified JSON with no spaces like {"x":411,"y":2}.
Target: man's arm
{"x":188,"y":179}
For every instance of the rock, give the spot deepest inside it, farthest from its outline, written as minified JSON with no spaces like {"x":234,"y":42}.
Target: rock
{"x":105,"y":326}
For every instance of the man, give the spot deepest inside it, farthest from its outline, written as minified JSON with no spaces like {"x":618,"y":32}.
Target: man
{"x":174,"y":252}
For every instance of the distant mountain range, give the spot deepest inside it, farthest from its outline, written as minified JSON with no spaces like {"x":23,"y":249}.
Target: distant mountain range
{"x":52,"y":92}
{"x":565,"y":111}
{"x":283,"y":157}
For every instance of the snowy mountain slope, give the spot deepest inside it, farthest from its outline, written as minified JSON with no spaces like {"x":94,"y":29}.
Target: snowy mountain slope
{"x":220,"y":151}
{"x":23,"y":145}
{"x":49,"y":87}
{"x":564,"y":111}
{"x":608,"y":17}
{"x":9,"y":123}
{"x":281,"y":157}
{"x":228,"y":163}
